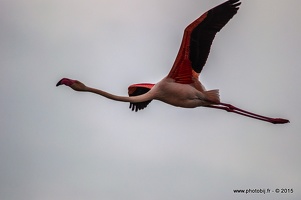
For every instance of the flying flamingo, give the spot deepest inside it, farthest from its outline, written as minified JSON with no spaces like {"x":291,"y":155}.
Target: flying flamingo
{"x":181,"y":86}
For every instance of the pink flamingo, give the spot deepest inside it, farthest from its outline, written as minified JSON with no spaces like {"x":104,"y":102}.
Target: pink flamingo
{"x":181,"y":86}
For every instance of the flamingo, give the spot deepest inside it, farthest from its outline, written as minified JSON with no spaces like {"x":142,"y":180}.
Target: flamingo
{"x":181,"y":87}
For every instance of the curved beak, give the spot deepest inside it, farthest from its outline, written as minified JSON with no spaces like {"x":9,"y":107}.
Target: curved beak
{"x":65,"y":81}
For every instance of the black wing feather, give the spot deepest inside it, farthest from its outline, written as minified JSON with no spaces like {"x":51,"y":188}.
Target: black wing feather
{"x":141,"y":105}
{"x":202,"y":36}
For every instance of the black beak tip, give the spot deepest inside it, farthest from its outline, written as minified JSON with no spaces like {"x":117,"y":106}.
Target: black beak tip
{"x":59,"y":83}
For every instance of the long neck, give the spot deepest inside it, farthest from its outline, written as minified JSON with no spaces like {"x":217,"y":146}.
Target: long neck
{"x":133,"y":99}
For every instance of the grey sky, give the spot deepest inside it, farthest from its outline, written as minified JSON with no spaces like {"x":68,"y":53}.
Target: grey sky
{"x":59,"y":144}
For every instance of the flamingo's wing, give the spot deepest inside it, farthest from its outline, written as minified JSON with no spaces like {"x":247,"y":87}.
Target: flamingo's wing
{"x":136,"y":90}
{"x":197,"y":40}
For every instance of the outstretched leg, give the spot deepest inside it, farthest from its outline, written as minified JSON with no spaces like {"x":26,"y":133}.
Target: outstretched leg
{"x":231,"y":108}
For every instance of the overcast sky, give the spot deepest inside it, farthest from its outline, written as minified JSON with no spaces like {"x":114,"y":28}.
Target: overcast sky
{"x":59,"y":144}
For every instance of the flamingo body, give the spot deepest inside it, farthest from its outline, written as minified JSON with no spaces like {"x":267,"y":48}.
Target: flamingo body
{"x":181,"y":87}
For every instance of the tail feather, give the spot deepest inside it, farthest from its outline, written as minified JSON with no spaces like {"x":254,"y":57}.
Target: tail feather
{"x":213,"y":95}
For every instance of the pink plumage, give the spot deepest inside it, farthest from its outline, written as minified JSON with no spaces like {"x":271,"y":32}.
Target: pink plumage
{"x":181,"y":87}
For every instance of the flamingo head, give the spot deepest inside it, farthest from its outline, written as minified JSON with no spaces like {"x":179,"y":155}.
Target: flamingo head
{"x":74,"y":84}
